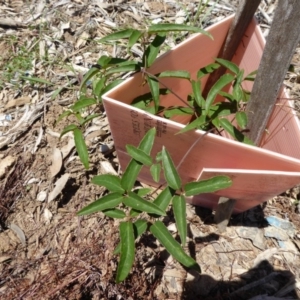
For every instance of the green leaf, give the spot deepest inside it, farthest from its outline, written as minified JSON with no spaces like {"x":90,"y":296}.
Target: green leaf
{"x":83,"y":102}
{"x":237,"y":92}
{"x":111,"y":182}
{"x":228,"y":65}
{"x":134,"y":167}
{"x":36,"y":80}
{"x":158,"y":156}
{"x":152,"y":50}
{"x":155,"y":172}
{"x":177,"y":111}
{"x":154,"y":89}
{"x":207,"y":186}
{"x":241,"y":118}
{"x":221,"y":109}
{"x":139,"y":227}
{"x":81,"y":147}
{"x":176,"y":74}
{"x":130,"y":174}
{"x":196,"y":85}
{"x":135,"y":35}
{"x":156,"y":28}
{"x":110,"y":86}
{"x":179,"y":210}
{"x":134,"y":201}
{"x":143,"y":191}
{"x":207,"y":70}
{"x":164,"y":198}
{"x":170,"y":172}
{"x":114,"y":213}
{"x":103,"y":61}
{"x":124,"y":68}
{"x":234,"y":132}
{"x":91,"y":73}
{"x":63,"y":115}
{"x":134,"y":213}
{"x":251,"y":76}
{"x":127,"y":251}
{"x":123,"y":34}
{"x":159,"y":230}
{"x":109,"y":201}
{"x":67,"y":129}
{"x":216,"y":88}
{"x":99,"y":86}
{"x":139,"y":155}
{"x":196,"y":124}
{"x":88,"y":118}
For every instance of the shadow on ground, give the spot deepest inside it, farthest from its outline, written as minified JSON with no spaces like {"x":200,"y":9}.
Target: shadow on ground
{"x":261,"y":280}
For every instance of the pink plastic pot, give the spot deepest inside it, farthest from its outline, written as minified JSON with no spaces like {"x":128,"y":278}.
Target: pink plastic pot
{"x":258,"y":173}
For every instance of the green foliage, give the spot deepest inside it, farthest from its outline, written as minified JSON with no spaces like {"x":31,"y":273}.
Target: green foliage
{"x":206,"y":113}
{"x":140,"y":211}
{"x":132,"y":206}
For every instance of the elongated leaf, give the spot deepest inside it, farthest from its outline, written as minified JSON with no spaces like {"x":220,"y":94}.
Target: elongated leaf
{"x":178,"y":111}
{"x":109,"y":201}
{"x":143,"y":191}
{"x":127,"y":251}
{"x":88,"y":119}
{"x":176,"y":74}
{"x":196,"y":85}
{"x":216,"y":88}
{"x":67,"y":129}
{"x":36,"y":80}
{"x":207,"y":70}
{"x":147,"y":142}
{"x":139,"y":155}
{"x":229,"y":65}
{"x":155,"y":172}
{"x":130,"y":175}
{"x":114,"y":213}
{"x":110,"y":86}
{"x":238,"y":93}
{"x":135,"y":35}
{"x":134,"y":213}
{"x":83,"y":102}
{"x":251,"y":76}
{"x":134,"y":167}
{"x":126,"y":68}
{"x":139,"y":227}
{"x":159,"y":230}
{"x":241,"y":118}
{"x":153,"y":49}
{"x":196,"y":124}
{"x":176,"y":27}
{"x":99,"y":86}
{"x":81,"y":147}
{"x":207,"y":186}
{"x":103,"y":61}
{"x":164,"y":198}
{"x":123,"y":34}
{"x":170,"y":172}
{"x":134,"y":201}
{"x":63,"y":115}
{"x":111,"y":182}
{"x":91,"y":73}
{"x":234,"y":132}
{"x":154,"y":88}
{"x":221,"y":109}
{"x":179,"y":210}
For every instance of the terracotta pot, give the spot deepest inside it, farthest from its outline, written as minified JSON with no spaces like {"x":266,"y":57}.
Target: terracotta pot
{"x":258,"y":173}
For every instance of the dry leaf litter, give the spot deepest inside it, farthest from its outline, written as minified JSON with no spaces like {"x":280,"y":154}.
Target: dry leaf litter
{"x":46,"y":252}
